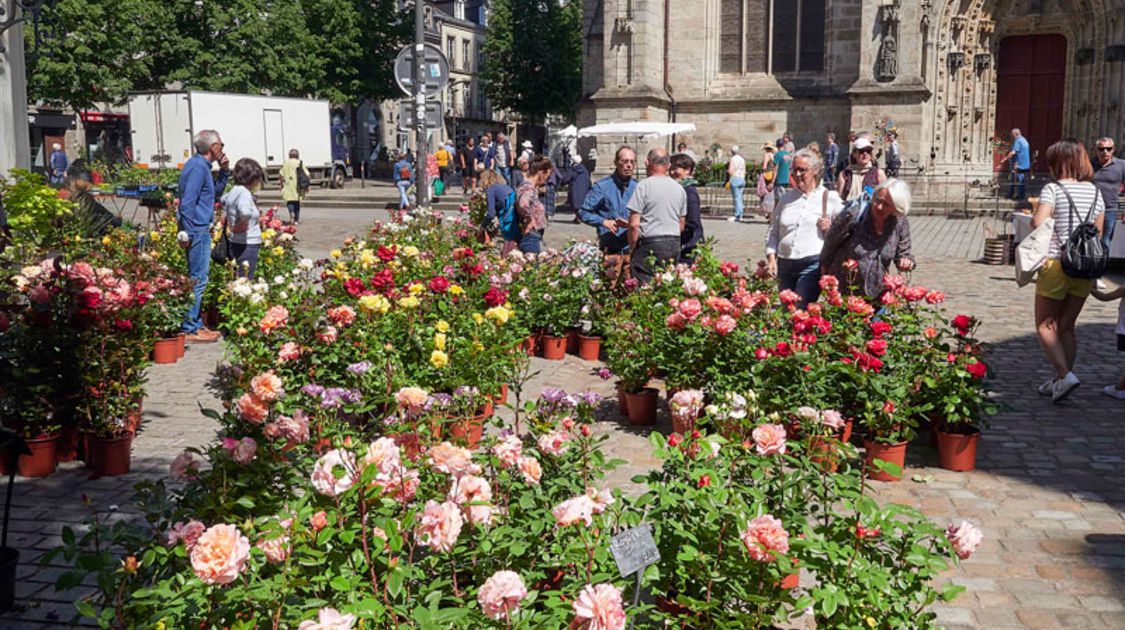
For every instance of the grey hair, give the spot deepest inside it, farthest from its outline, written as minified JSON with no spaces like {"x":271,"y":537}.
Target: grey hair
{"x":831,"y":136}
{"x":294,"y":153}
{"x":816,"y":164}
{"x":1106,"y":139}
{"x":1016,"y":131}
{"x":204,"y":139}
{"x":900,"y":194}
{"x":659,"y":157}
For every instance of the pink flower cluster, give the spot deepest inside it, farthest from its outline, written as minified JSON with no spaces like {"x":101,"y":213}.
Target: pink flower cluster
{"x":763,"y":535}
{"x":324,"y":479}
{"x":965,"y":538}
{"x":599,"y":608}
{"x":554,"y":442}
{"x":329,"y":619}
{"x":241,"y":451}
{"x":453,"y":460}
{"x":184,"y":466}
{"x":501,"y":594}
{"x":439,"y":525}
{"x":293,"y":429}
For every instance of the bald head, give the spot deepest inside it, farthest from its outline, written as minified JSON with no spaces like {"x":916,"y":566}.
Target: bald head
{"x":658,"y":162}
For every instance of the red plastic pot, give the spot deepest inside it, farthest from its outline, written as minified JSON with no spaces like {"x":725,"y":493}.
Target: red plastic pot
{"x":554,"y":348}
{"x":180,"y":345}
{"x":42,"y":461}
{"x":572,"y":340}
{"x":502,"y":397}
{"x":642,"y":406}
{"x":109,"y":457}
{"x":66,"y":449}
{"x":622,"y":401}
{"x":958,"y":451}
{"x":165,"y":350}
{"x":469,"y":430}
{"x":531,"y":345}
{"x":891,"y":453}
{"x":824,"y":451}
{"x":589,"y":348}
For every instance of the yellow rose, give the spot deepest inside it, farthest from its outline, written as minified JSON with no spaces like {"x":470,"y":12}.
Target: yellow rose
{"x":498,"y":314}
{"x":439,"y":359}
{"x":106,"y":240}
{"x":409,"y":302}
{"x":456,"y":289}
{"x":154,"y":235}
{"x":374,"y":304}
{"x":278,"y":251}
{"x":478,"y":346}
{"x":442,"y":325}
{"x":478,"y":318}
{"x":336,"y":253}
{"x":367,"y":258}
{"x":410,"y":251}
{"x":268,"y":235}
{"x":416,"y":289}
{"x":871,"y":622}
{"x":439,"y":341}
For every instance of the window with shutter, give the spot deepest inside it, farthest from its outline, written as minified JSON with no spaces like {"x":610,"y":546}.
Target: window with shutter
{"x":730,"y":37}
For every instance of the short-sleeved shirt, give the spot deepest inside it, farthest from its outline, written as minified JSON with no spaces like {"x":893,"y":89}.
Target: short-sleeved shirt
{"x":466,"y":154}
{"x":1108,"y":179}
{"x":738,"y":166}
{"x":1085,"y":196}
{"x":442,"y":157}
{"x":661,"y":202}
{"x":782,"y":162}
{"x":1023,"y":153}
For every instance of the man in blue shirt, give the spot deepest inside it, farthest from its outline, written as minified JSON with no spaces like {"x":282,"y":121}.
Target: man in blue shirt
{"x":1019,"y":160}
{"x":58,"y":165}
{"x":831,"y":157}
{"x":606,"y":206}
{"x":198,"y":193}
{"x":404,"y":175}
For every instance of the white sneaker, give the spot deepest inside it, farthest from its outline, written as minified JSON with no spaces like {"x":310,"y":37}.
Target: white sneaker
{"x":1064,"y":386}
{"x":1100,"y":285}
{"x":732,"y":219}
{"x":1113,"y":392}
{"x":1047,"y":388}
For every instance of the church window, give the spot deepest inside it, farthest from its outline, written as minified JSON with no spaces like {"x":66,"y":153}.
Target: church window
{"x":772,"y":36}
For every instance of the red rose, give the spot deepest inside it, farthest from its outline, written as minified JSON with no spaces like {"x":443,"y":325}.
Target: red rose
{"x":962,"y":323}
{"x":353,"y":286}
{"x":495,"y":297}
{"x":977,"y":369}
{"x":888,"y":407}
{"x":440,"y":284}
{"x":877,"y":347}
{"x":123,"y":324}
{"x":695,"y":434}
{"x":761,"y":354}
{"x":704,"y":481}
{"x":385,"y":254}
{"x":781,"y":349}
{"x":674,"y":440}
{"x":880,"y":328}
{"x":382,"y":280}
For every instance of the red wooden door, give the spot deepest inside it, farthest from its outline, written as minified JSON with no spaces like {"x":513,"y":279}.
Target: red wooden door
{"x":1030,"y":83}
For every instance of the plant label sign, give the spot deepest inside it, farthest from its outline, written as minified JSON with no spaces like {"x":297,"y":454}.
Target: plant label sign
{"x":634,"y":549}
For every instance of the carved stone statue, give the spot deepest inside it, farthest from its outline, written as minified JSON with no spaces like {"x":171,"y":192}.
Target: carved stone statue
{"x":887,"y":67}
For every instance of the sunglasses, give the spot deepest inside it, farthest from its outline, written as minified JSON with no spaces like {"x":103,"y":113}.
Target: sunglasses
{"x":799,"y":171}
{"x":868,"y":151}
{"x":1106,"y":149}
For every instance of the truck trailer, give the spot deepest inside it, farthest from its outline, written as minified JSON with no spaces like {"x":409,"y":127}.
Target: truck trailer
{"x":261,"y":127}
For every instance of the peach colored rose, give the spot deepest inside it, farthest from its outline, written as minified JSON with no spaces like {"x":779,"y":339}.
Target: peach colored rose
{"x":599,"y":608}
{"x":324,"y":478}
{"x":474,"y":495}
{"x":690,"y":308}
{"x":328,"y":335}
{"x":554,"y":443}
{"x":763,"y":535}
{"x":188,"y":533}
{"x":398,"y":482}
{"x":454,"y":460}
{"x":770,"y":439}
{"x":602,"y":499}
{"x":276,"y":549}
{"x":292,"y":429}
{"x":251,"y":408}
{"x":276,"y":317}
{"x":220,"y":554}
{"x":383,"y":454}
{"x":289,"y":351}
{"x":965,"y":538}
{"x":439,"y":525}
{"x":328,"y":619}
{"x":342,"y":315}
{"x":267,"y":386}
{"x":319,"y":521}
{"x":530,"y":469}
{"x":508,"y":451}
{"x":411,"y":399}
{"x":571,"y":511}
{"x":184,"y":466}
{"x":832,"y":419}
{"x":501,"y":594}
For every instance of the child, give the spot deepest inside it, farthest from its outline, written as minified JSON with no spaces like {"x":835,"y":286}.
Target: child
{"x":1115,"y":391}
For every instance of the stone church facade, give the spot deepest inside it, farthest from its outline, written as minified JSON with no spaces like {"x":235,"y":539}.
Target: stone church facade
{"x":950,"y":75}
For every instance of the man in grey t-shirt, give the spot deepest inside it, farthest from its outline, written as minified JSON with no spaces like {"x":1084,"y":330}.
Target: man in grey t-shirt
{"x":656,"y":217}
{"x":1109,"y":174}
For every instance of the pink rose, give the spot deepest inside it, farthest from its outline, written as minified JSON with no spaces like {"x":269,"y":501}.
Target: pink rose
{"x":935,"y":297}
{"x":39,"y":295}
{"x":289,"y":351}
{"x":602,"y":499}
{"x":508,"y":451}
{"x":342,"y":315}
{"x":694,"y":286}
{"x":789,"y":296}
{"x":188,"y":533}
{"x":554,"y":443}
{"x":599,"y":608}
{"x":454,"y":460}
{"x":691,"y":308}
{"x":319,"y":521}
{"x":398,"y":482}
{"x":439,"y":525}
{"x":530,"y":469}
{"x":276,"y":317}
{"x":329,"y":619}
{"x":501,"y":594}
{"x":184,"y":466}
{"x":251,"y":408}
{"x":676,"y":321}
{"x":770,"y":439}
{"x":571,"y":511}
{"x":965,"y":538}
{"x":220,"y":554}
{"x":324,"y":478}
{"x":725,"y":325}
{"x":328,"y":335}
{"x":763,"y":535}
{"x":383,"y":454}
{"x":474,"y":494}
{"x":832,"y":419}
{"x":292,"y":429}
{"x":411,"y":399}
{"x":276,"y":549}
{"x":267,"y":387}
{"x":241,"y":451}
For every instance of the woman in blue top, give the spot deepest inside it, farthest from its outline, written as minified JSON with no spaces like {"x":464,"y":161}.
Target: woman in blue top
{"x":242,"y":215}
{"x":404,"y":176}
{"x":496,"y":194}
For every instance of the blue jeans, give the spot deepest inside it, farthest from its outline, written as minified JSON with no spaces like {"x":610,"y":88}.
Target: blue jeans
{"x":294,"y":210}
{"x":199,"y":267}
{"x":506,"y":173}
{"x":1107,"y":227}
{"x":531,"y":243}
{"x":403,"y":185}
{"x":1017,"y":185}
{"x":246,"y":255}
{"x":737,"y":184}
{"x":801,"y":275}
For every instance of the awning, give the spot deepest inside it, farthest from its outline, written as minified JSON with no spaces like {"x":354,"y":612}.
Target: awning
{"x":643,"y":130}
{"x":51,"y":121}
{"x":103,"y":117}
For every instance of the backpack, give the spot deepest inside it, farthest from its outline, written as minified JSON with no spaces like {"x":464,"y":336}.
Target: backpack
{"x":404,"y":173}
{"x":1083,"y":255}
{"x":303,"y":182}
{"x":509,"y":220}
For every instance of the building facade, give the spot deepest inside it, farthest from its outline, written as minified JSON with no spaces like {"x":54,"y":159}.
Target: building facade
{"x":953,"y":77}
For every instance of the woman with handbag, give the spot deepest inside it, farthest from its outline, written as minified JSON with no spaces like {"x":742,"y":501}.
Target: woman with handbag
{"x":1073,"y":202}
{"x":242,"y":216}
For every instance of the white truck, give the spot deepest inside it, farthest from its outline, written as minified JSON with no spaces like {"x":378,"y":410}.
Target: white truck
{"x":261,"y":127}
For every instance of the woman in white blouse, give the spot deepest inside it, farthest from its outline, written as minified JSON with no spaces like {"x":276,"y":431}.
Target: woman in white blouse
{"x":798,"y":226}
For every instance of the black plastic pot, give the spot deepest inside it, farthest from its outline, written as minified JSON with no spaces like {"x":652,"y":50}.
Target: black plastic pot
{"x":9,"y":562}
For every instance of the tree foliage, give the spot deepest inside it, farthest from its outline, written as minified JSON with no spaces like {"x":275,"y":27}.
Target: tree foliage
{"x":533,"y":56}
{"x":341,"y":50}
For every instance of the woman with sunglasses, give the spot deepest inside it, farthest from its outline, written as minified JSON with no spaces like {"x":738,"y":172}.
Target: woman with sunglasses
{"x":862,"y":172}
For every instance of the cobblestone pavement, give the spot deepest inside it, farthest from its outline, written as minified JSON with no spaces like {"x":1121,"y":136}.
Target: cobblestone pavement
{"x":1048,"y":490}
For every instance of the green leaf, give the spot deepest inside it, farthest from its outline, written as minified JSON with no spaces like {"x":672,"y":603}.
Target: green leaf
{"x":340,"y":583}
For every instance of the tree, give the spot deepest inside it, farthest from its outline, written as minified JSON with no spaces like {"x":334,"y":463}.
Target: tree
{"x":533,"y":56}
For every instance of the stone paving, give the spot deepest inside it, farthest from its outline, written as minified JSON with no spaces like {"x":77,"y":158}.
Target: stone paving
{"x":1048,"y":490}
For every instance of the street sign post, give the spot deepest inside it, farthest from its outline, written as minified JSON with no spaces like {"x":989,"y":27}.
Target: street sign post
{"x":435,"y":70}
{"x":435,"y":115}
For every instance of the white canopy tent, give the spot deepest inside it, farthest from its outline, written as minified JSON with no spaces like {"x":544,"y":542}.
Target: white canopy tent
{"x":640,"y":130}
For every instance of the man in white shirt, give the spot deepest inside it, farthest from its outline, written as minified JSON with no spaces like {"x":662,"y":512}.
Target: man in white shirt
{"x":798,"y":226}
{"x":657,"y":212}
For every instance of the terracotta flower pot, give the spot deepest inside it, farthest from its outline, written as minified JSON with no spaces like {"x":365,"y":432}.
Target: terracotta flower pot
{"x":66,"y":450}
{"x":469,"y":430}
{"x":589,"y":348}
{"x":109,"y":457}
{"x":531,"y":345}
{"x":554,"y":348}
{"x":572,"y":340}
{"x":502,"y":397}
{"x":408,"y":442}
{"x":622,"y":401}
{"x":41,"y":462}
{"x":642,"y":406}
{"x":791,"y":581}
{"x":824,"y":451}
{"x":891,"y":453}
{"x":165,"y":350}
{"x":958,"y":451}
{"x":180,"y":345}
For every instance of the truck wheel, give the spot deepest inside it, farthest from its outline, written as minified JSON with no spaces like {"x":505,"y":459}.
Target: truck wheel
{"x":337,"y":178}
